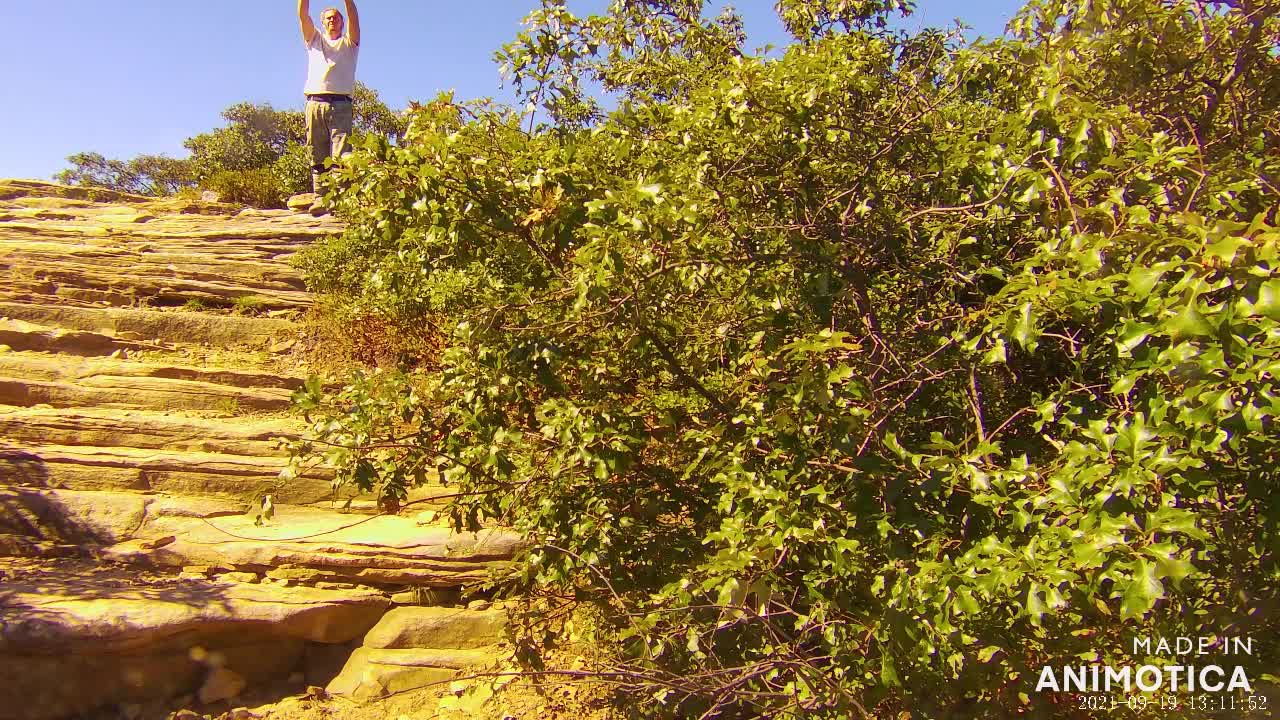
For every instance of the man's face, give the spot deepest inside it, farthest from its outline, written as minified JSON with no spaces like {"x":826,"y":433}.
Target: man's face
{"x":332,"y":21}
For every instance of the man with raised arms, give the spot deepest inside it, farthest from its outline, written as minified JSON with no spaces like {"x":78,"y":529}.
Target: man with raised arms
{"x":331,"y":81}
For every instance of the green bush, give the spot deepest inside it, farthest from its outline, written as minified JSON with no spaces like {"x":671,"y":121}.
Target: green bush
{"x":259,"y":187}
{"x":879,"y":375}
{"x":293,"y":170}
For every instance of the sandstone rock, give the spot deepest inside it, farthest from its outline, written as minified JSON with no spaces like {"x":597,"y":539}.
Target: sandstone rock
{"x":24,"y":336}
{"x":221,"y":684}
{"x":25,"y":546}
{"x":300,"y":575}
{"x":435,"y":627}
{"x":301,"y":202}
{"x":95,"y":518}
{"x":387,"y":550}
{"x":44,"y":687}
{"x":248,"y":577}
{"x":335,"y":585}
{"x":173,"y":327}
{"x":144,"y":429}
{"x":405,"y":597}
{"x":118,"y":459}
{"x":191,"y":473}
{"x":44,"y":367}
{"x":373,"y":673}
{"x":54,"y":614}
{"x":125,"y":392}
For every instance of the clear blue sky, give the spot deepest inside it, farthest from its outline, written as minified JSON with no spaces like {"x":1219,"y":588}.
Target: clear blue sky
{"x":140,"y":76}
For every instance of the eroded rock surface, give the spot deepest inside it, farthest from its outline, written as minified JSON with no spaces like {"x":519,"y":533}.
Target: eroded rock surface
{"x":146,"y":367}
{"x":417,"y":647}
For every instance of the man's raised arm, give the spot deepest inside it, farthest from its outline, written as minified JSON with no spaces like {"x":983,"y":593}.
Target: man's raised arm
{"x":304,"y":18}
{"x":353,"y":22}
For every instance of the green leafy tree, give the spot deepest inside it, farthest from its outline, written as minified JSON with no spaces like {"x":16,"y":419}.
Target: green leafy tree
{"x":258,"y":158}
{"x":867,"y":380}
{"x":151,"y":175}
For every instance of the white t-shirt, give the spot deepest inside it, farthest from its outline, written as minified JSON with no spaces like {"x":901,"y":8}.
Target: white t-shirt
{"x":331,"y":65}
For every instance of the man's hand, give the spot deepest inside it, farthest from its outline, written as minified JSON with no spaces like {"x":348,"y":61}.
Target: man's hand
{"x":353,"y":22}
{"x":304,"y":18}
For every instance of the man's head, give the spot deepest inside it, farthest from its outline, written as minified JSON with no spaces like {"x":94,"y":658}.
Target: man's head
{"x":332,"y":22}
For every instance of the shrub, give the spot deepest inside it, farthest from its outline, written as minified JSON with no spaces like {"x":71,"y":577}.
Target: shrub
{"x":880,"y":375}
{"x":259,"y":187}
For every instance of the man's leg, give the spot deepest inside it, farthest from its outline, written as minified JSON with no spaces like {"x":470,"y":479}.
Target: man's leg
{"x":340,"y":128}
{"x":318,"y":132}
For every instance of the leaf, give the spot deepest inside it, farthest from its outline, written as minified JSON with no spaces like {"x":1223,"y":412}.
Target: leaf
{"x":649,"y":191}
{"x":1142,"y":280}
{"x":1226,"y":248}
{"x":1268,"y":302}
{"x":1023,"y":327}
{"x":965,"y":603}
{"x":1176,"y":520}
{"x":1035,"y":605}
{"x":1168,"y":565}
{"x":1123,"y":385}
{"x":1187,"y":323}
{"x":988,"y":652}
{"x":888,"y":670}
{"x":891,"y":442}
{"x":691,"y":641}
{"x":996,"y":354}
{"x":1142,"y":592}
{"x":1132,"y":335}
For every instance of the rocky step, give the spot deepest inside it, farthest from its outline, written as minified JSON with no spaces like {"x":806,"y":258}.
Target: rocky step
{"x":170,"y":327}
{"x":65,"y":246}
{"x":129,"y":271}
{"x":79,"y":637}
{"x":146,"y":429}
{"x":44,"y":366}
{"x":384,"y":550}
{"x":251,"y":265}
{"x":16,"y":191}
{"x":40,"y":208}
{"x":409,"y":628}
{"x":127,"y":281}
{"x":158,"y":470}
{"x":191,"y":473}
{"x":315,"y":544}
{"x":124,"y":393}
{"x":413,"y":647}
{"x":28,"y":379}
{"x":371,"y":674}
{"x":24,"y":336}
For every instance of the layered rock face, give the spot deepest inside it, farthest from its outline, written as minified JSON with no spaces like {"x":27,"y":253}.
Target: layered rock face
{"x":146,"y":368}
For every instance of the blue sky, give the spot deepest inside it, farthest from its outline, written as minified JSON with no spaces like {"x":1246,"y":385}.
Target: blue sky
{"x":140,"y":76}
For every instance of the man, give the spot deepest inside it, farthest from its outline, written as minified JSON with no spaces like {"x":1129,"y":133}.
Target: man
{"x":331,"y":81}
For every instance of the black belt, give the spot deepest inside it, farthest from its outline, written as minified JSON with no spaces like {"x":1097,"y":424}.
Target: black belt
{"x":329,"y":97}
